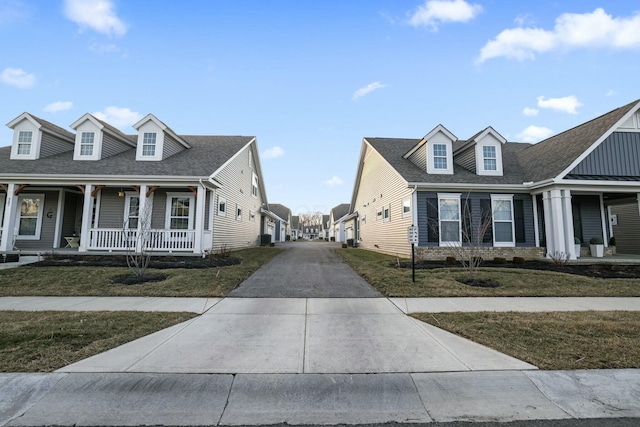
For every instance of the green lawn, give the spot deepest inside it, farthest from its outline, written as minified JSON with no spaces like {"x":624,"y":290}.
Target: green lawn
{"x":45,"y":341}
{"x":97,"y":281}
{"x":377,"y":269}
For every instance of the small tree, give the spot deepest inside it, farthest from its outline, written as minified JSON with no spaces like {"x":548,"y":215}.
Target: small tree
{"x":136,"y":231}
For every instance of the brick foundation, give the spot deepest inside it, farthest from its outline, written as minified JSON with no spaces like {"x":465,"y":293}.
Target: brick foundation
{"x":441,"y":253}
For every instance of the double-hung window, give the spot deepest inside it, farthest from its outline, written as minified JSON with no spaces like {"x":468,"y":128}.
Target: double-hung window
{"x":489,"y":158}
{"x":254,"y":185}
{"x":179,"y":212}
{"x":503,"y":224}
{"x":132,"y":211}
{"x":440,"y":156}
{"x":30,"y":216}
{"x":406,"y":207}
{"x":25,"y":139}
{"x":149,"y":144}
{"x":222,"y":206}
{"x":86,"y":143}
{"x":449,"y":218}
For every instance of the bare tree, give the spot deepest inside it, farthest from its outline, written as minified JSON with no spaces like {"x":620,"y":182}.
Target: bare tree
{"x":136,"y":232}
{"x":311,"y":218}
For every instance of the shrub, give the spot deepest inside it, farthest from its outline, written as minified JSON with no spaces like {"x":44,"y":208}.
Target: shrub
{"x":518,"y":260}
{"x":612,"y":241}
{"x":499,"y":260}
{"x":451,"y":260}
{"x":576,"y":241}
{"x":596,"y":241}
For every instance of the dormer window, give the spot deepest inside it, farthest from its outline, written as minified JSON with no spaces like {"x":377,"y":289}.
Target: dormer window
{"x":149,"y":144}
{"x":440,"y":156}
{"x":489,"y":158}
{"x":25,"y":138}
{"x":86,"y":143}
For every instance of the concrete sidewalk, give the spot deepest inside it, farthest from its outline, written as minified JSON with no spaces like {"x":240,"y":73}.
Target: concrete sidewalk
{"x":193,"y":305}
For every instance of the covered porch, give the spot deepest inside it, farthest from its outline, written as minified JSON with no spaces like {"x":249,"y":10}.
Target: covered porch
{"x":106,"y":218}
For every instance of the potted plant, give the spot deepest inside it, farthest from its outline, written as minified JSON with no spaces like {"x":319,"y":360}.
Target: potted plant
{"x":596,"y":245}
{"x":577,"y":243}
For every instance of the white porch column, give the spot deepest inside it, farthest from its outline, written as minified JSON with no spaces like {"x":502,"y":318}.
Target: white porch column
{"x":9,"y":223}
{"x":557,"y":220}
{"x":200,"y":210}
{"x":144,"y":221}
{"x":567,"y":214}
{"x":604,"y":222}
{"x":548,"y":223}
{"x":87,"y":218}
{"x":536,"y":231}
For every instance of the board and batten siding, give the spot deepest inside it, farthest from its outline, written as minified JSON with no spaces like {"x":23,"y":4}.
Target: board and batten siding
{"x":48,"y":229}
{"x":618,"y":155}
{"x":52,"y":145}
{"x":587,"y":214}
{"x":425,"y":198}
{"x":111,"y":146}
{"x":380,"y":186}
{"x":627,"y":230}
{"x":236,"y":178}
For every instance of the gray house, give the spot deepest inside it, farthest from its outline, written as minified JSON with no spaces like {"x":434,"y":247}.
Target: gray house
{"x":514,"y":198}
{"x":283,"y":221}
{"x":99,"y":190}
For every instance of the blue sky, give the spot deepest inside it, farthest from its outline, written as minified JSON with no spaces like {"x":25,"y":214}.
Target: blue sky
{"x":311,"y":79}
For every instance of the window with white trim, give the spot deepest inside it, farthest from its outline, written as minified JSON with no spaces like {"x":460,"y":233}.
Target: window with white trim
{"x":29,"y":221}
{"x":25,"y":139}
{"x":489,"y":158}
{"x":131,"y":210}
{"x":503,"y":223}
{"x":86,"y":143}
{"x":406,"y":207}
{"x":222,"y":206}
{"x":440,"y":156}
{"x":386,"y":213}
{"x":180,"y":211}
{"x":238,"y":213}
{"x":254,"y":185}
{"x":149,"y":144}
{"x":449,"y":218}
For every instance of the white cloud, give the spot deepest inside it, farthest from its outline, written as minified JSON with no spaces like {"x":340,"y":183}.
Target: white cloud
{"x":534,"y":133}
{"x":334,"y":181}
{"x":567,"y":104}
{"x":273,"y":153}
{"x":611,"y":93}
{"x":103,"y":48}
{"x":530,"y":112}
{"x":118,"y":117}
{"x":571,"y":31}
{"x":97,"y":15}
{"x":17,"y":77}
{"x":435,"y":12}
{"x":367,"y":89}
{"x":54,"y":107}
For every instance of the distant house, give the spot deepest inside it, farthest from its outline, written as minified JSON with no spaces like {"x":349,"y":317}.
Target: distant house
{"x":336,"y":224}
{"x":535,"y":200}
{"x":296,"y":232}
{"x":283,"y":222}
{"x":325,"y":227}
{"x":96,"y":189}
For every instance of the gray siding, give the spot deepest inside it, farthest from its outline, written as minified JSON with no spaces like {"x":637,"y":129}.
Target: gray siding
{"x":236,"y":189}
{"x":71,"y":221}
{"x":587,"y":211}
{"x":475,"y":199}
{"x":171,"y":147}
{"x":52,"y":145}
{"x":617,"y":156}
{"x":111,"y":209}
{"x":111,"y":146}
{"x":467,"y":159}
{"x":48,"y":224}
{"x":627,"y":232}
{"x":381,"y":186}
{"x":419,"y":157}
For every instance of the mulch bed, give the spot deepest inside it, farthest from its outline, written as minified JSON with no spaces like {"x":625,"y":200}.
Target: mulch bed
{"x":599,"y":270}
{"x":159,"y":262}
{"x":135,"y":280}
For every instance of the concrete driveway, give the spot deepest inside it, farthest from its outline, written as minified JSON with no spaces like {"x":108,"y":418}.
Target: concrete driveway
{"x":305,"y":270}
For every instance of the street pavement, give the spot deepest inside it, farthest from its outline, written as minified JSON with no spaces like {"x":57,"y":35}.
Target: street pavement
{"x":313,"y":357}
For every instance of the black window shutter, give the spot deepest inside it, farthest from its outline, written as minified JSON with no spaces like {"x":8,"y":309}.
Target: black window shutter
{"x":432,"y":220}
{"x":518,"y":217}
{"x":467,"y":222}
{"x":486,"y":221}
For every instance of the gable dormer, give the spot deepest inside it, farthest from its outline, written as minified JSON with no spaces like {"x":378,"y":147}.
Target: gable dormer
{"x":96,"y":140}
{"x":439,"y":150}
{"x":34,"y":138}
{"x":482,"y":153}
{"x":156,"y":141}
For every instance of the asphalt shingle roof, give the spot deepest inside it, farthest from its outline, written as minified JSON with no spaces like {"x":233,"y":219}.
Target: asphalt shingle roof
{"x":340,"y":210}
{"x":206,"y":155}
{"x":53,"y":128}
{"x":280,"y":210}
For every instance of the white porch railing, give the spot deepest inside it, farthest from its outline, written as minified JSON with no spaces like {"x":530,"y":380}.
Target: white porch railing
{"x":117,"y":239}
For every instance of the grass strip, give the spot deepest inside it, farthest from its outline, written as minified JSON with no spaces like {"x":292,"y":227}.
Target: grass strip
{"x":97,"y":281}
{"x":377,"y":269}
{"x":555,"y":340}
{"x":48,"y":340}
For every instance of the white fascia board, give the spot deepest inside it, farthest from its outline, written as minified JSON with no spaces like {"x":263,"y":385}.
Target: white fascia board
{"x":83,"y":119}
{"x":492,"y":131}
{"x":43,"y":179}
{"x":599,"y":141}
{"x":232,"y":158}
{"x":442,"y":129}
{"x":415,"y":148}
{"x":468,"y":187}
{"x":161,"y":125}
{"x":22,"y":117}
